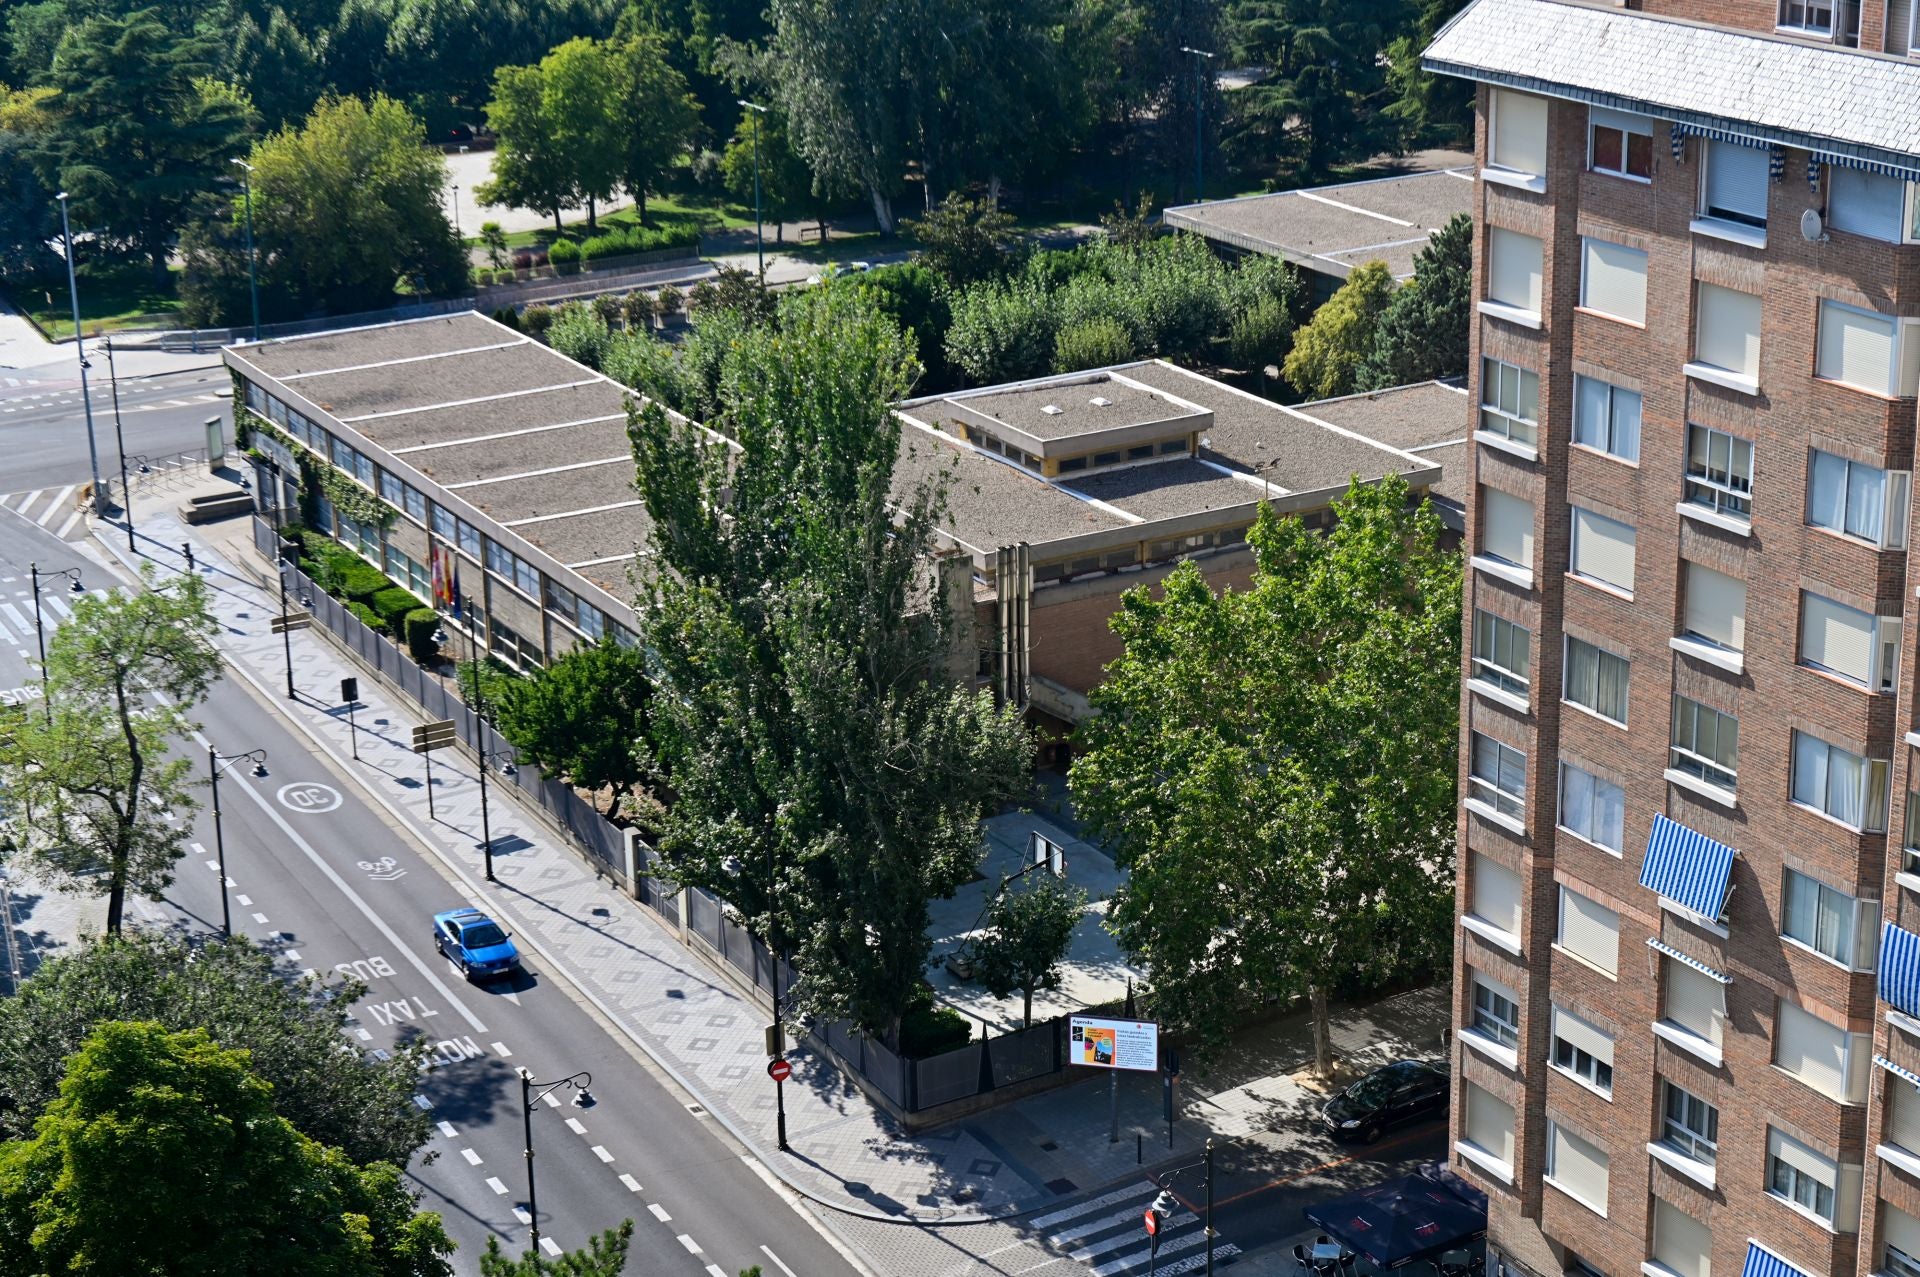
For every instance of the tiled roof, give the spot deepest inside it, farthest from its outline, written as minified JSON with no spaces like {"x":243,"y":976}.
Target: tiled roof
{"x":1773,"y":89}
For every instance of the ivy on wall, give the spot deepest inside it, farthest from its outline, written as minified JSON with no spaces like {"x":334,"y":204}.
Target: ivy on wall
{"x":316,"y":475}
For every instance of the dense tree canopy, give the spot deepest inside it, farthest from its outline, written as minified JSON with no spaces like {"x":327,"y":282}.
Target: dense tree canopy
{"x":582,"y":717}
{"x":1329,"y":350}
{"x":1423,"y":332}
{"x":163,"y":1154}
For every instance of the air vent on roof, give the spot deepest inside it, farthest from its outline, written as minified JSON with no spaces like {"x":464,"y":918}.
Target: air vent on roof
{"x":1053,"y":410}
{"x":1100,"y":401}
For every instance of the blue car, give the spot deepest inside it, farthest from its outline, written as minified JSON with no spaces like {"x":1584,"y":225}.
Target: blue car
{"x":474,"y":943}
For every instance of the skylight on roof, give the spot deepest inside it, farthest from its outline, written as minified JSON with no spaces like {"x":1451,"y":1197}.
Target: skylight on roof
{"x":1100,"y":401}
{"x":1053,"y":410}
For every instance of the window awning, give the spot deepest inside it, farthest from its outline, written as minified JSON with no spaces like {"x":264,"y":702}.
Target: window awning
{"x":1687,"y":867}
{"x":1762,"y":1262}
{"x":1905,"y":1075}
{"x":1687,"y":960}
{"x":1900,"y":969}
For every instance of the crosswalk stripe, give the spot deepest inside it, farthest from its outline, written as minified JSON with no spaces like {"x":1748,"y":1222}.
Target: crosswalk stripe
{"x":13,"y":614}
{"x":56,"y":605}
{"x":60,"y":499}
{"x":1140,"y":1256}
{"x":72,"y":519}
{"x":1081,"y":1208}
{"x":1098,"y":1226}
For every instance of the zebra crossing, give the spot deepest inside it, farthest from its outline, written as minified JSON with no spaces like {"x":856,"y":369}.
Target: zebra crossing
{"x":57,"y":510}
{"x":17,"y":629}
{"x":1106,"y":1234}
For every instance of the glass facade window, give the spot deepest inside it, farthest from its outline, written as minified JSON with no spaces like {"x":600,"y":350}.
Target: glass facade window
{"x":1606,"y":418}
{"x":1597,"y":680}
{"x":1689,"y":1124}
{"x":1593,"y":808}
{"x":1501,"y":652}
{"x":1499,"y":777}
{"x":1706,"y":743}
{"x":1840,"y":784}
{"x":1510,"y":402}
{"x":1720,"y":472}
{"x":1495,"y":1014}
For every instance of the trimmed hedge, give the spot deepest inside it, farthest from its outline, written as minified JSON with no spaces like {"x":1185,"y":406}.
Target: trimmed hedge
{"x":418,"y":626}
{"x":392,"y":604}
{"x":360,"y":581}
{"x":564,"y":255}
{"x":624,"y":241}
{"x":367,"y":617}
{"x":931,"y":1028}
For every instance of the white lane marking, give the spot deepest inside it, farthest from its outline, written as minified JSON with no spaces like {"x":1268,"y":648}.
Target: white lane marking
{"x":198,"y":850}
{"x":392,"y":937}
{"x":1081,"y":1208}
{"x":501,"y":1049}
{"x":693,"y":1247}
{"x":58,"y":606}
{"x":601,"y":1153}
{"x":260,"y":918}
{"x":768,"y":1252}
{"x":553,"y":1101}
{"x":573,"y":1124}
{"x":423,"y":1102}
{"x":292,"y":955}
{"x":245,"y":902}
{"x":714,"y":1270}
{"x":660,"y":1212}
{"x":510,"y":996}
{"x":549,"y":1245}
{"x":473,"y":1158}
{"x":496,"y":1185}
{"x":67,"y":527}
{"x":633,"y":1185}
{"x":214,"y":865}
{"x":1099,"y":1225}
{"x":520,"y":1213}
{"x":364,"y":1035}
{"x":446,"y":1129}
{"x":310,"y":973}
{"x":12,"y":613}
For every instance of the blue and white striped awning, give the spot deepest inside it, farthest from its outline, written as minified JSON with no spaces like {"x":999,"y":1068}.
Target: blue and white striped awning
{"x":1688,"y":960}
{"x":1906,"y":1075}
{"x":1687,"y":867}
{"x":1762,"y":1262}
{"x":1905,"y":172}
{"x":1900,"y":969}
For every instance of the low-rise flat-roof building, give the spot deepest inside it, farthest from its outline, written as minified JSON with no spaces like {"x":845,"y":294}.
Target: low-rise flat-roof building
{"x":1060,"y":493}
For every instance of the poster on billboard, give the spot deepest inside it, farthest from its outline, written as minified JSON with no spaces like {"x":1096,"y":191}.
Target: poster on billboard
{"x":1113,"y":1044}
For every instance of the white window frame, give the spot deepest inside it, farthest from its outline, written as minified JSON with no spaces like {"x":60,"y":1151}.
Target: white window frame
{"x":1728,"y":222}
{"x":1628,"y":126}
{"x":1498,"y":799}
{"x":1897,"y":1261}
{"x":1580,"y":1063}
{"x":1780,"y":1168}
{"x":1505,"y":424}
{"x":1872,"y":796}
{"x":1487,"y":668}
{"x":1593,"y":834}
{"x":1599,"y":1208}
{"x":1744,"y":381}
{"x":1500,"y":1010}
{"x":1560,"y":933}
{"x":1588,"y":253}
{"x":1832,"y":177}
{"x":1530,"y":179}
{"x":1807,"y":9}
{"x":1610,"y":431}
{"x":1856,"y":1054}
{"x":1526,"y":314}
{"x":1692,"y":596}
{"x":1723,"y":497}
{"x":1883,"y":646}
{"x":1896,"y":494}
{"x":1704,"y":768}
{"x":1491,"y":561}
{"x":1574,"y":555}
{"x":1571,"y":694}
{"x":1691,"y":1142}
{"x":1855,"y":949}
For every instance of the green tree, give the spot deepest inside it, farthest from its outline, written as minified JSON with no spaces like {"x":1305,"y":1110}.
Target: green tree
{"x":588,"y":118}
{"x":583,"y":717}
{"x":1275,"y":767}
{"x":347,"y":208}
{"x":805,"y":713}
{"x":1260,"y":335}
{"x":1091,"y":343}
{"x":29,"y":217}
{"x":163,"y":1154}
{"x":786,"y":183}
{"x":494,"y":240}
{"x":1322,"y":100}
{"x":530,"y":170}
{"x":657,"y":115}
{"x":965,"y":240}
{"x":86,"y":782}
{"x":1329,"y":350}
{"x":1423,"y":332}
{"x":603,"y":1256}
{"x":1428,"y":109}
{"x":138,"y":133}
{"x":918,"y":300}
{"x":326,"y":1086}
{"x":579,"y":333}
{"x":1026,"y":936}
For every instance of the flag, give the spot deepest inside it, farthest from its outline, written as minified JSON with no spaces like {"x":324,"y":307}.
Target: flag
{"x":454,"y":590}
{"x":434,"y":570}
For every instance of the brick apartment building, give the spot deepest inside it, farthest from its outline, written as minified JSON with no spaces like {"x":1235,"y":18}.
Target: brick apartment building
{"x":1687,"y":975}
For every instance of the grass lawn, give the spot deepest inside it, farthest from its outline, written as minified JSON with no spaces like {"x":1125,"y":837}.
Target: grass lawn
{"x":110,"y":299}
{"x":661,"y":211}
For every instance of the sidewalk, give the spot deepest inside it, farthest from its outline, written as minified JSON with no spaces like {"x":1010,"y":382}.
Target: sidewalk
{"x":700,"y":1027}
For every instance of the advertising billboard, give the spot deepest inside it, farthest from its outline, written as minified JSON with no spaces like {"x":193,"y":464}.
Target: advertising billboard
{"x":1113,"y":1044}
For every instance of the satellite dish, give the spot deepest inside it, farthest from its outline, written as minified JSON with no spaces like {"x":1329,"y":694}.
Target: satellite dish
{"x":1811,"y":226}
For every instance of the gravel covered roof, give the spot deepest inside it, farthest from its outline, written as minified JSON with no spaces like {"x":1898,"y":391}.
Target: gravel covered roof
{"x":347,"y":347}
{"x":1022,"y":406}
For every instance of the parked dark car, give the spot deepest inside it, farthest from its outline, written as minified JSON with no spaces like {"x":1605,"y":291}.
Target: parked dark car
{"x":1404,"y":1091}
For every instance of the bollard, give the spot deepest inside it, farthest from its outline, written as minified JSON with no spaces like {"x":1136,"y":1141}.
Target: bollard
{"x":1136,"y":1148}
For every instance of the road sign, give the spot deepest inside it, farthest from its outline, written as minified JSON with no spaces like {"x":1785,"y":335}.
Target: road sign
{"x":292,"y":621}
{"x":349,"y":690}
{"x":431,"y":736}
{"x":1152,"y":1220}
{"x":779,"y":1070}
{"x":1113,"y":1044}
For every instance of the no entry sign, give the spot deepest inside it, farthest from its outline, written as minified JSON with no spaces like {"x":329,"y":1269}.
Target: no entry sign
{"x":1152,"y":1220}
{"x":779,"y":1070}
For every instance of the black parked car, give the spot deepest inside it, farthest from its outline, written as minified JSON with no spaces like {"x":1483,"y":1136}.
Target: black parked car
{"x":1404,"y":1091}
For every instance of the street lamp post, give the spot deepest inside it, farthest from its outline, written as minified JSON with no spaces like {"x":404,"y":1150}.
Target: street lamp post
{"x":1166,"y":1183}
{"x":253,"y":273}
{"x":776,"y":1036}
{"x":455,"y":205}
{"x":120,"y":442}
{"x":1200,"y":60}
{"x":759,"y":234}
{"x":531,"y":1090}
{"x":481,"y":752}
{"x":286,"y":634}
{"x":35,"y":575}
{"x":80,"y":353}
{"x":217,"y":763}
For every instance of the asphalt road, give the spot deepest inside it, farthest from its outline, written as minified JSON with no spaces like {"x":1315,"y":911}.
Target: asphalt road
{"x":43,"y":431}
{"x":319,"y":873}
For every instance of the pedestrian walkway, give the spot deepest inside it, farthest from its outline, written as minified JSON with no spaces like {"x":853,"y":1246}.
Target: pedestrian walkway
{"x":60,"y":511}
{"x":1034,"y":1157}
{"x":1108,"y":1234}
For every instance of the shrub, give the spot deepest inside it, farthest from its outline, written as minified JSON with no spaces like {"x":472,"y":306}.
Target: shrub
{"x":564,"y":254}
{"x":579,"y":333}
{"x":508,"y":316}
{"x":668,"y":300}
{"x":367,"y":617}
{"x":523,"y":259}
{"x":930,"y":1028}
{"x":359,"y":582}
{"x":392,"y":605}
{"x":601,"y":247}
{"x":702,"y":297}
{"x":1091,"y":343}
{"x":607,"y":307}
{"x":537,"y":319}
{"x":419,"y":625}
{"x":638,"y":309}
{"x":1260,"y":335}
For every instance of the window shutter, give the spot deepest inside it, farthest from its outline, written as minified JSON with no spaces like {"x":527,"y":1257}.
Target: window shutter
{"x":1856,"y":348}
{"x":1729,"y":330}
{"x":1590,"y":930}
{"x":1613,"y":280}
{"x":1608,"y":118}
{"x":1865,"y":203}
{"x":1481,"y":977}
{"x":1836,"y":636}
{"x":1603,"y":548}
{"x":1717,"y":606}
{"x":1594,"y":1041}
{"x":1899,"y":19}
{"x":1490,"y":1122}
{"x":1680,"y":1241}
{"x":1903,"y":1120}
{"x":1695,"y":1001}
{"x":1513,"y":276}
{"x":1506,"y":527}
{"x":1903,"y":1230}
{"x":1803,"y":1159}
{"x":1519,"y":132}
{"x":1496,"y":894}
{"x":1812,"y":1050}
{"x":1737,"y":179}
{"x":1578,"y":1165}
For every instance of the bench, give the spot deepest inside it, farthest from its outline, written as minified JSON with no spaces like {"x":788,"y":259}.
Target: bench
{"x":216,"y":505}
